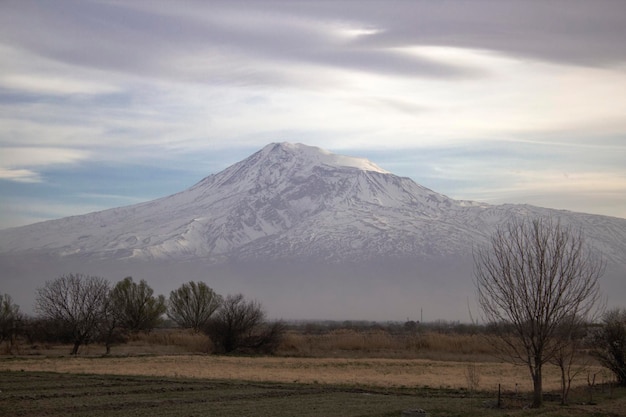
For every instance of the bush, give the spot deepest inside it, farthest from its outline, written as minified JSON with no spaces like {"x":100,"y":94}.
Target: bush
{"x":240,"y":326}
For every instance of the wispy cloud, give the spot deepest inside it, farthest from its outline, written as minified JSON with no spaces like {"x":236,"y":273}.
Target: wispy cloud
{"x":45,"y":84}
{"x":20,"y":163}
{"x":19,"y":175}
{"x":34,"y":156}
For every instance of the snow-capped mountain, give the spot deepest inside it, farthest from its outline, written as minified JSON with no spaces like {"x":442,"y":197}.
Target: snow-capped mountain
{"x":293,"y":210}
{"x":285,"y":200}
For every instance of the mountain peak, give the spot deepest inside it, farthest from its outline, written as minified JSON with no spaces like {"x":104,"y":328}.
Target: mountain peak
{"x":314,"y":156}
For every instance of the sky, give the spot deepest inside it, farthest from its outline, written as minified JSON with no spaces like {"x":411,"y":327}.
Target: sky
{"x":106,"y":103}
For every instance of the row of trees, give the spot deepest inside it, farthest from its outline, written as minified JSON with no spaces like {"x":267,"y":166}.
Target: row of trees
{"x":83,"y":309}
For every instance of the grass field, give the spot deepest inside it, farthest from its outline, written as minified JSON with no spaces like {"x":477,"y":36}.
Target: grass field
{"x":51,"y":394}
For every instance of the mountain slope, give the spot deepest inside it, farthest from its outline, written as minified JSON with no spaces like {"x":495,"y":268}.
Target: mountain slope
{"x":301,"y":213}
{"x":279,"y":192}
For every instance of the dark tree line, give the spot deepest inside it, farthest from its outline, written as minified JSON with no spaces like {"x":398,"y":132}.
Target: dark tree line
{"x":82,"y":309}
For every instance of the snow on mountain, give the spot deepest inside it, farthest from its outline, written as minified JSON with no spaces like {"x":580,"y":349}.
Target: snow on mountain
{"x":288,"y":205}
{"x":283,"y":193}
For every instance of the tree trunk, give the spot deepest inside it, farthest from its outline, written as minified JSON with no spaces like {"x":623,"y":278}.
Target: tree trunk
{"x":537,"y":387}
{"x":564,"y":385}
{"x":75,"y":348}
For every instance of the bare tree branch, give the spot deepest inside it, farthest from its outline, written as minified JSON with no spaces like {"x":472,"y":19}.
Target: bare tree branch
{"x":536,"y":278}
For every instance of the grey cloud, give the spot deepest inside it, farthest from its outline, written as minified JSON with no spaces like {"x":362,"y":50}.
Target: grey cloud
{"x":149,"y":38}
{"x":589,"y":33}
{"x":146,"y":42}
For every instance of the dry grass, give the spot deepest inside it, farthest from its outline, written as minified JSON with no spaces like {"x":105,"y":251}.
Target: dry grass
{"x":364,"y":371}
{"x":380,"y":343}
{"x":176,"y":341}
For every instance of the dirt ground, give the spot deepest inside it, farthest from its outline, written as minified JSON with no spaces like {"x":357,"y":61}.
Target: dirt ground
{"x":372,"y":372}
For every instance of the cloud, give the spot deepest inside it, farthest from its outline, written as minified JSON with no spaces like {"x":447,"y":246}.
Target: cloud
{"x":562,"y":31}
{"x":257,"y":43}
{"x":199,"y":85}
{"x":19,"y":175}
{"x":13,"y":161}
{"x":20,"y":156}
{"x":205,"y":64}
{"x":45,"y":84}
{"x":153,"y":38}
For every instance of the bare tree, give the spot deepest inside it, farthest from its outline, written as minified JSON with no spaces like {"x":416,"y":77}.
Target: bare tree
{"x":10,"y":320}
{"x":568,"y":353}
{"x":135,"y":306}
{"x":192,"y":305}
{"x":535,"y":279}
{"x":610,"y":343}
{"x":240,"y":325}
{"x":77,"y":301}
